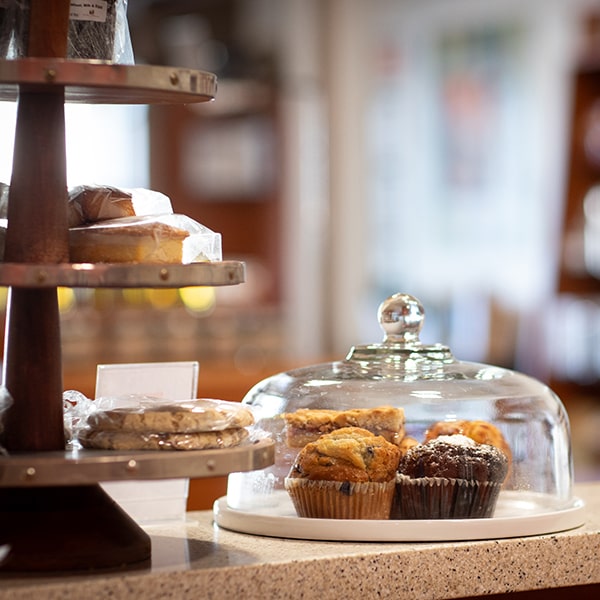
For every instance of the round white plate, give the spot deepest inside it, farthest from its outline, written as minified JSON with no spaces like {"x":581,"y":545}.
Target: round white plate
{"x":518,"y":514}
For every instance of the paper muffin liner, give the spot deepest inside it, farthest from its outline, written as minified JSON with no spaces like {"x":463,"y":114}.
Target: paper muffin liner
{"x":341,"y":499}
{"x":443,"y":498}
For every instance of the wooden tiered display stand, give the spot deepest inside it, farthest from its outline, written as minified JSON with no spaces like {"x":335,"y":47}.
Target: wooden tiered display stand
{"x":54,"y":515}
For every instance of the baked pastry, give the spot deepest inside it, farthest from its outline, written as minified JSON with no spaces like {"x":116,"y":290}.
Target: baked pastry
{"x":482,"y":432}
{"x":450,"y":477}
{"x":129,"y":240}
{"x":189,"y":416}
{"x":148,"y":425}
{"x":455,"y":457}
{"x":406,"y":443}
{"x":90,"y":203}
{"x":346,"y":474}
{"x":306,"y":425}
{"x":152,"y":239}
{"x":132,"y":440}
{"x":347,"y":454}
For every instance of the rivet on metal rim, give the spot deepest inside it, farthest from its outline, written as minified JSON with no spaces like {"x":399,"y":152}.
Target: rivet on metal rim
{"x":50,"y":74}
{"x":164,"y":274}
{"x":174,"y":79}
{"x":30,"y":472}
{"x":211,"y":464}
{"x":132,"y":465}
{"x":41,"y":276}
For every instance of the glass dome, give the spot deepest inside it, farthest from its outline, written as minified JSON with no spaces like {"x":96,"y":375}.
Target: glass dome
{"x":431,"y":386}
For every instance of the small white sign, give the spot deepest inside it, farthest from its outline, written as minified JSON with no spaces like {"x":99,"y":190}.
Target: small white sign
{"x":161,"y":501}
{"x":168,"y":380}
{"x":82,"y":10}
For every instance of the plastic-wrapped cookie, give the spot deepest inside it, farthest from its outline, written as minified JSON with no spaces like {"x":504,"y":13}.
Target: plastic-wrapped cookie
{"x":145,"y":424}
{"x":132,"y":440}
{"x":177,"y":417}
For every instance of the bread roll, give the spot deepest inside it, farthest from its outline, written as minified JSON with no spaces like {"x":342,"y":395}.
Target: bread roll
{"x":90,"y":204}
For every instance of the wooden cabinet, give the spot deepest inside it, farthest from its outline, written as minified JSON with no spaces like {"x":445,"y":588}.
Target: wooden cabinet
{"x":221,"y":168}
{"x":580,"y":257}
{"x":573,"y":317}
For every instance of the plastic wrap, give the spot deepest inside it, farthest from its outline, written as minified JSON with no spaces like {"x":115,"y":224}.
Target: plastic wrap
{"x":93,"y":203}
{"x":76,"y":408}
{"x":5,"y":403}
{"x":98,"y":29}
{"x":146,"y":414}
{"x":17,"y":16}
{"x":139,"y":422}
{"x":128,"y":440}
{"x":168,"y":238}
{"x":5,"y":28}
{"x":4,"y":189}
{"x":3,"y":226}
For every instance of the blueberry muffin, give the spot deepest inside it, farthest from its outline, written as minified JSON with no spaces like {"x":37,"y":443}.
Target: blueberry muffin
{"x":346,"y":474}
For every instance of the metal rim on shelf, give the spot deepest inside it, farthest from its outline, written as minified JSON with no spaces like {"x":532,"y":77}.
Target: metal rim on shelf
{"x":117,"y":275}
{"x":82,"y":467}
{"x":101,"y":82}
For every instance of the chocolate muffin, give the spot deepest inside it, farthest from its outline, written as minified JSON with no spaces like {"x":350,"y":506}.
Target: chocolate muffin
{"x":450,"y":477}
{"x":482,"y":432}
{"x":455,"y":457}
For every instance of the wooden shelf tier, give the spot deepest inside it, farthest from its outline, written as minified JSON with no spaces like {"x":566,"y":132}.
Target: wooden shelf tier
{"x":105,"y":275}
{"x":99,"y":82}
{"x":85,"y":467}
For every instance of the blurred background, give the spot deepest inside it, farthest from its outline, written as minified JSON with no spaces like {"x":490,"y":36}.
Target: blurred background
{"x":449,"y":149}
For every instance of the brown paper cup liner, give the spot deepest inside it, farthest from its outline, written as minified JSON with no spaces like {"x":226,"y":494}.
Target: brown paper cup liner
{"x":443,"y":498}
{"x":341,"y":499}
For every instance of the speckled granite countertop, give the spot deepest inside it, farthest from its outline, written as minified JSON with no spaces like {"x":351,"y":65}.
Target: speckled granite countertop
{"x":198,"y":560}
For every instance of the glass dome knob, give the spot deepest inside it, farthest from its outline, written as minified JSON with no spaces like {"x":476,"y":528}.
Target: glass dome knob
{"x":401,"y":317}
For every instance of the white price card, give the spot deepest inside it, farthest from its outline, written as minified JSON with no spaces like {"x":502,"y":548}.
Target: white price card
{"x":87,"y":10}
{"x":166,"y":380}
{"x":150,"y":502}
